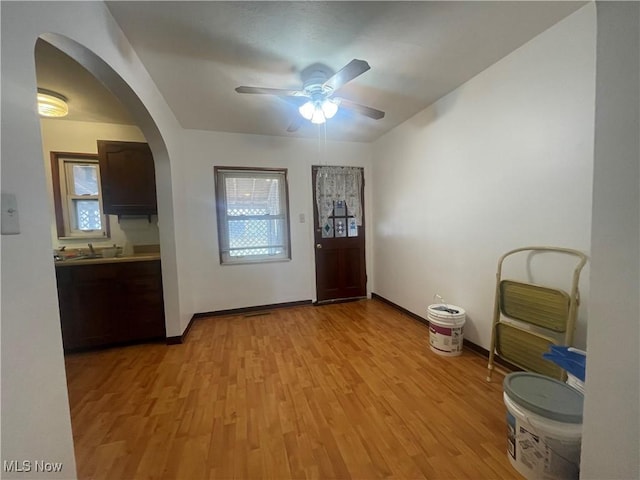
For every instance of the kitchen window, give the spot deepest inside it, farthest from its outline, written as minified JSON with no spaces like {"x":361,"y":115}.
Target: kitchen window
{"x":253,"y":215}
{"x":77,"y":196}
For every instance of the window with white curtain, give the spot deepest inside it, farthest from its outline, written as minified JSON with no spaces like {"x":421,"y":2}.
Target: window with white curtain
{"x":253,"y":217}
{"x":338,"y":187}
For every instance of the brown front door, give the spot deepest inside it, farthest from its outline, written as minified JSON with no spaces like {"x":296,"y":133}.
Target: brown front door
{"x":339,"y":247}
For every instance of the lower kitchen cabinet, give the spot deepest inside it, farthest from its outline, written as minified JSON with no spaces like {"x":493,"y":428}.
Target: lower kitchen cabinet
{"x":111,"y":303}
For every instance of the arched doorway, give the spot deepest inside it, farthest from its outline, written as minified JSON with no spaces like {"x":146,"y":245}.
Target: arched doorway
{"x":143,"y":119}
{"x":35,"y":411}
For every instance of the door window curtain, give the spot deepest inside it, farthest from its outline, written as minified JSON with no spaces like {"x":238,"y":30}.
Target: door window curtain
{"x":335,"y":184}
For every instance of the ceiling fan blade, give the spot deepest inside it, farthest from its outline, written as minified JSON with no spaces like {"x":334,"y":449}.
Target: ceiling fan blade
{"x":350,"y":71}
{"x":295,"y":124}
{"x":269,"y":91}
{"x":362,"y":109}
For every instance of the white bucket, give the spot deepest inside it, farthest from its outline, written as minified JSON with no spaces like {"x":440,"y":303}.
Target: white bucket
{"x":446,"y":329}
{"x":539,"y":447}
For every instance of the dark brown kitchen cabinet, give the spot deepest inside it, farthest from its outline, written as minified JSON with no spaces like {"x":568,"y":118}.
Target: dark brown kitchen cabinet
{"x":127,"y":178}
{"x":141,"y":308}
{"x":108,"y":304}
{"x":93,"y":292}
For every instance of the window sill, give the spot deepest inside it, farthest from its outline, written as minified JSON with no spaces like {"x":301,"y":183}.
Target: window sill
{"x":88,"y":237}
{"x":253,"y":262}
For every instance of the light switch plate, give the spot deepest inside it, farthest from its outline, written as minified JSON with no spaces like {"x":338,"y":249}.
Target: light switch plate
{"x":10,"y":220}
{"x":301,"y":218}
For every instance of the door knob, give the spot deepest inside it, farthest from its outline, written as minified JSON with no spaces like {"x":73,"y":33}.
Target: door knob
{"x":318,"y":245}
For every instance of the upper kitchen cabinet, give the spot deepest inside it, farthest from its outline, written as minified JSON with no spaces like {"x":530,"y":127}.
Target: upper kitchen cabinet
{"x":127,"y":177}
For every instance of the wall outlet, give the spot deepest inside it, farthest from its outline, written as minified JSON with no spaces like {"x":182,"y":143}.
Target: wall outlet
{"x":301,"y":218}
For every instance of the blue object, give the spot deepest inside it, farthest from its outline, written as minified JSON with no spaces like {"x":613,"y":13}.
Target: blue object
{"x":573,"y":362}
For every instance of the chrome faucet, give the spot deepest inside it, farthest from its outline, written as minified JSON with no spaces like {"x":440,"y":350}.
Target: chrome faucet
{"x":91,"y":250}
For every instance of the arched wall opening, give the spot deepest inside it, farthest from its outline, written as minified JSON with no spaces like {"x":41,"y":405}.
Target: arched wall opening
{"x":36,"y":421}
{"x":116,"y":84}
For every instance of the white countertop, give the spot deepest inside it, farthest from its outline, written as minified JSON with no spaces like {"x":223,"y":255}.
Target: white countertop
{"x":138,"y":257}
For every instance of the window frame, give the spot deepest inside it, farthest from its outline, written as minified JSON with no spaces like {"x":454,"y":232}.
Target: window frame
{"x":62,"y":202}
{"x":220,"y":174}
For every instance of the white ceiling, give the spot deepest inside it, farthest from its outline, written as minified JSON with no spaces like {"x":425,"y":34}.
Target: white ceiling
{"x":198,"y":52}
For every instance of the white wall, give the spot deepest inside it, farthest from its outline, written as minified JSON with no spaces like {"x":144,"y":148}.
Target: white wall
{"x":504,"y":161}
{"x":37,"y":426}
{"x":611,"y":446}
{"x":221,"y":287}
{"x":81,"y":137}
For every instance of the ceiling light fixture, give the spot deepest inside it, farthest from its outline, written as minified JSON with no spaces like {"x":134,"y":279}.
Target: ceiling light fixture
{"x":52,"y":104}
{"x":319,"y":110}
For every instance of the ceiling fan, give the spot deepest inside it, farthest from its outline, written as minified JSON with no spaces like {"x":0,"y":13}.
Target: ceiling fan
{"x":316,"y":101}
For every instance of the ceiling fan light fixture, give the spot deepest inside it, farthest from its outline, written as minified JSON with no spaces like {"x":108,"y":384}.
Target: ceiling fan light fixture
{"x":318,"y":116}
{"x":318,"y":111}
{"x":329,"y":108}
{"x":52,"y":104}
{"x":307,"y":110}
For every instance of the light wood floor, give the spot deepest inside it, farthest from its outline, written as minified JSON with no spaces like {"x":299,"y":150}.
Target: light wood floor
{"x":340,"y":391}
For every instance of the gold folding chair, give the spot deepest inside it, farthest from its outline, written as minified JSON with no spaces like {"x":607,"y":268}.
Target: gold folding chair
{"x":540,"y":316}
